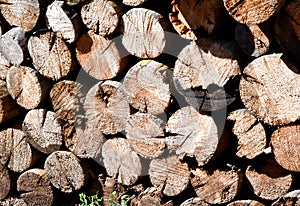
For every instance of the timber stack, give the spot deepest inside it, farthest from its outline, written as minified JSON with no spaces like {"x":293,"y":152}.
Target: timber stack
{"x":180,"y":102}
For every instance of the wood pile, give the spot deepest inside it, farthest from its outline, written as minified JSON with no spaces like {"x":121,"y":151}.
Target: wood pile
{"x":179,"y":102}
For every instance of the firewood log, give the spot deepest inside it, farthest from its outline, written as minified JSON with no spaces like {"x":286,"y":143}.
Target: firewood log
{"x":284,"y":142}
{"x":27,"y":86}
{"x":74,"y":2}
{"x":12,"y":202}
{"x":121,"y":162}
{"x":133,"y":2}
{"x":143,"y":32}
{"x":145,"y":134}
{"x":102,"y":16}
{"x":218,"y":186}
{"x":147,"y":87}
{"x":35,"y":188}
{"x":151,"y":196}
{"x":252,"y":12}
{"x":196,"y":201}
{"x":50,"y":55}
{"x":269,"y":89}
{"x":268,"y":179}
{"x":21,"y":13}
{"x":65,"y":171}
{"x":246,"y":203}
{"x":250,"y":134}
{"x":99,"y":56}
{"x":5,"y":182}
{"x":290,"y":199}
{"x":169,"y":173}
{"x":107,"y":105}
{"x":43,"y":129}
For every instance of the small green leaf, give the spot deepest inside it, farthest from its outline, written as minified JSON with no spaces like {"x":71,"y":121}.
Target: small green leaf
{"x":112,"y":195}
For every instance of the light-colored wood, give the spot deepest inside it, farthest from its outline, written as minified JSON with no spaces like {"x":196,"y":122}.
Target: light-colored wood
{"x":12,"y":202}
{"x":147,"y":86}
{"x":133,"y":2}
{"x":194,"y":201}
{"x":246,"y":203}
{"x":290,"y":199}
{"x":143,"y":33}
{"x":121,"y":162}
{"x":6,"y":146}
{"x":5,"y":183}
{"x":269,"y":89}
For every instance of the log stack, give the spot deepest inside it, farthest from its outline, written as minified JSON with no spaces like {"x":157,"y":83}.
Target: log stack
{"x":179,"y":102}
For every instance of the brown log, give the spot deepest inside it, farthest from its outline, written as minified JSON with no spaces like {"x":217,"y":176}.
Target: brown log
{"x":198,"y":137}
{"x":6,"y":146}
{"x":133,"y":2}
{"x":99,"y":57}
{"x":35,"y":188}
{"x":290,"y":199}
{"x":245,"y":203}
{"x":250,"y":134}
{"x":217,"y":187}
{"x":12,"y":202}
{"x":61,"y":18}
{"x":286,"y":28}
{"x":193,"y":18}
{"x":101,"y":16}
{"x":145,"y":134}
{"x":5,"y":182}
{"x":121,"y":162}
{"x":50,"y":55}
{"x":147,"y":87}
{"x":64,"y":171}
{"x":143,"y":33}
{"x":21,"y":13}
{"x":169,"y":173}
{"x":268,"y":179}
{"x":252,"y":12}
{"x":27,"y":86}
{"x":194,"y":201}
{"x":150,"y":196}
{"x":4,"y":67}
{"x":285,"y":144}
{"x":269,"y":89}
{"x":43,"y":129}
{"x":107,"y":105}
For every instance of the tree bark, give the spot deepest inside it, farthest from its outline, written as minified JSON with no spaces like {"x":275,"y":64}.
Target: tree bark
{"x":290,"y":199}
{"x":147,"y":87}
{"x":169,"y":173}
{"x":13,"y":202}
{"x":35,"y":188}
{"x":246,"y":203}
{"x":5,"y":182}
{"x":64,"y":171}
{"x":269,"y":89}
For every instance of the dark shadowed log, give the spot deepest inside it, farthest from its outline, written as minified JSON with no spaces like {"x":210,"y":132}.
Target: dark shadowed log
{"x":35,"y":188}
{"x":43,"y":129}
{"x":252,"y":12}
{"x":133,"y":2}
{"x":195,"y":201}
{"x":143,"y":32}
{"x":13,"y":202}
{"x":150,"y":197}
{"x":101,"y":16}
{"x":99,"y":57}
{"x":27,"y":86}
{"x":50,"y":55}
{"x":269,"y":89}
{"x":218,"y":186}
{"x":107,"y":105}
{"x":121,"y":162}
{"x":268,"y":180}
{"x":250,"y":134}
{"x":169,"y":173}
{"x":74,"y":2}
{"x":145,"y":134}
{"x":64,"y":171}
{"x":290,"y":199}
{"x":147,"y":86}
{"x":285,"y":146}
{"x":5,"y":182}
{"x":246,"y":203}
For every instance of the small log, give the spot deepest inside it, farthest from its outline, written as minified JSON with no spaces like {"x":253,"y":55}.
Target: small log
{"x":245,"y":203}
{"x":133,"y":2}
{"x":101,"y":16}
{"x":43,"y":129}
{"x":151,"y":196}
{"x":290,"y":199}
{"x":143,"y":33}
{"x":12,"y":202}
{"x":269,"y":89}
{"x":35,"y":188}
{"x":64,"y":171}
{"x":217,"y":187}
{"x":50,"y":55}
{"x":147,"y":87}
{"x":145,"y":134}
{"x":121,"y":162}
{"x":61,"y":18}
{"x":5,"y":183}
{"x":107,"y":105}
{"x":27,"y":86}
{"x":99,"y":57}
{"x":194,"y":201}
{"x":268,"y":179}
{"x":250,"y":133}
{"x":285,"y":144}
{"x":21,"y":13}
{"x":6,"y":146}
{"x":198,"y":137}
{"x":252,"y":12}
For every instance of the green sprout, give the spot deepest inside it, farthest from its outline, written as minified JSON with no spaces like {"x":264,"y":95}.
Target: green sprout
{"x":94,"y":200}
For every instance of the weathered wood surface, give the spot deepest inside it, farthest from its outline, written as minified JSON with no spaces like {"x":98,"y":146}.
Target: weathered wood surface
{"x":246,"y":203}
{"x":195,"y":201}
{"x":5,"y":183}
{"x":290,"y":199}
{"x":12,"y":202}
{"x":133,"y":2}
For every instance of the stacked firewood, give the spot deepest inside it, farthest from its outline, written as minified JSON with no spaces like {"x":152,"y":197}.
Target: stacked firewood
{"x":173,"y":103}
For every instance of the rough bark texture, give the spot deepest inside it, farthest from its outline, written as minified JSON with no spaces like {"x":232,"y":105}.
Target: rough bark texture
{"x":290,"y":199}
{"x":147,"y":86}
{"x":13,"y":202}
{"x":133,"y":2}
{"x":246,"y":203}
{"x":5,"y":183}
{"x":273,"y":101}
{"x":285,"y":145}
{"x":196,"y":201}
